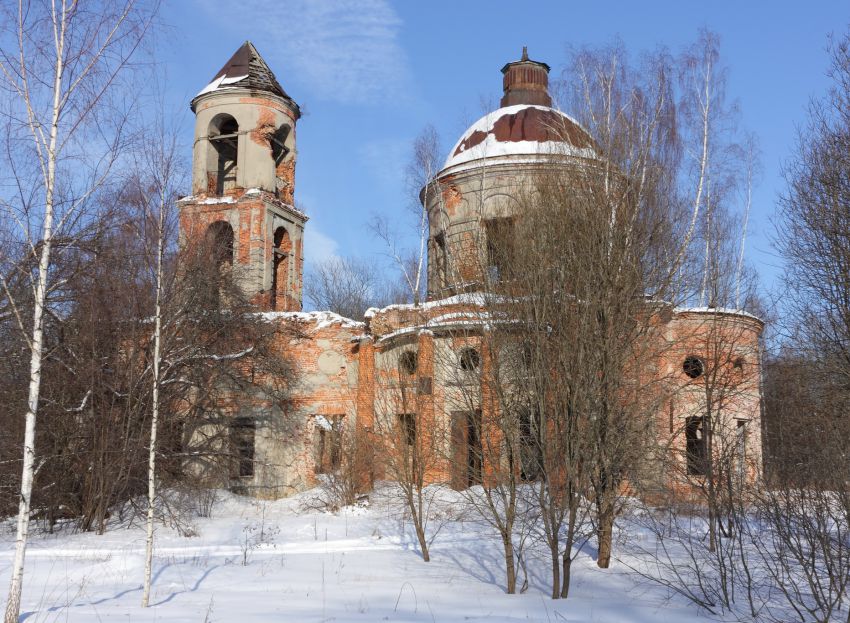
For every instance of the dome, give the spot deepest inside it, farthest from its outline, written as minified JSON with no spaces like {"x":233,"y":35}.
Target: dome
{"x":521,"y":130}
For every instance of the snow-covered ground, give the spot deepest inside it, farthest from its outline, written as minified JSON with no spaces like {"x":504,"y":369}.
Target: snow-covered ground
{"x":282,"y":561}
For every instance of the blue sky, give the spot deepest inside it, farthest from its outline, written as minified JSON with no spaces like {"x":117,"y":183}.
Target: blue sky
{"x":370,"y":74}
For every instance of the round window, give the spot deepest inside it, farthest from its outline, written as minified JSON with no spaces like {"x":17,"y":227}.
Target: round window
{"x":693,"y":367}
{"x":407,"y":362}
{"x":469,"y":359}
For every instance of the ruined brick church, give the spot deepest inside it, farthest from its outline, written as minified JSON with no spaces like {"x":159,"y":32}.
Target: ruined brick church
{"x":243,"y":188}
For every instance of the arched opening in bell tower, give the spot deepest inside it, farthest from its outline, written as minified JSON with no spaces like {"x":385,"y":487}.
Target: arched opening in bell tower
{"x":223,"y":160}
{"x":280,"y":268}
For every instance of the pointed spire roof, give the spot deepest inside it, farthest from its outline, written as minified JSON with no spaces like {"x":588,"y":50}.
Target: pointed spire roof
{"x":246,"y":69}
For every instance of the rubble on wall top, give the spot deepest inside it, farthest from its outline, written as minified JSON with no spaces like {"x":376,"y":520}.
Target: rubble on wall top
{"x":322,"y":319}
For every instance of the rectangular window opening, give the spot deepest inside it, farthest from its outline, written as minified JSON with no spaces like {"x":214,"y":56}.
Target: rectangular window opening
{"x":531,"y":449}
{"x":500,"y":247}
{"x":741,"y":447}
{"x":467,"y":451}
{"x":328,"y":443}
{"x":442,"y":259}
{"x":696,"y":446}
{"x":407,"y":426}
{"x":242,"y":433}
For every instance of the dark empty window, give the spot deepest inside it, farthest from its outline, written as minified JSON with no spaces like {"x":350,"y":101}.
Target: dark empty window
{"x":242,"y":431}
{"x":467,"y":452}
{"x":470,"y":359}
{"x":328,"y":443}
{"x":693,"y":367}
{"x":500,"y":248}
{"x":741,"y":446}
{"x":407,"y":427}
{"x":441,"y":259}
{"x":407,"y":362}
{"x":696,"y":446}
{"x":531,"y":449}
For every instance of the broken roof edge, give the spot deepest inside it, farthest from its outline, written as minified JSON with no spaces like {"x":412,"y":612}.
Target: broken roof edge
{"x":237,"y":89}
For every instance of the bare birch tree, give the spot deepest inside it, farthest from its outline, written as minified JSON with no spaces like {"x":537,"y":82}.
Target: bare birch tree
{"x":152,"y":188}
{"x":67,"y":59}
{"x":627,"y":262}
{"x":412,"y":263}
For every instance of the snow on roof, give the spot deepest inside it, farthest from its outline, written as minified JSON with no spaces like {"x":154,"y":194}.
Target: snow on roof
{"x":214,"y":200}
{"x":461,"y":321}
{"x":322,"y":319}
{"x":470,"y":298}
{"x":245,"y":69}
{"x":220,"y":83}
{"x":522,"y":130}
{"x":717,"y":310}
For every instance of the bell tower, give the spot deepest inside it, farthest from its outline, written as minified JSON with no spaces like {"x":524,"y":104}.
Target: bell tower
{"x":243,"y":180}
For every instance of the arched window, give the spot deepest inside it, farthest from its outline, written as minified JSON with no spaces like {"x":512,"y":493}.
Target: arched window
{"x":407,"y":362}
{"x":223,"y":160}
{"x":219,"y":246}
{"x":280,"y":268}
{"x":220,"y":241}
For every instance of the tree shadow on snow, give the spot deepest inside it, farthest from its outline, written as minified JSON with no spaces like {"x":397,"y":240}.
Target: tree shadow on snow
{"x":96,"y":602}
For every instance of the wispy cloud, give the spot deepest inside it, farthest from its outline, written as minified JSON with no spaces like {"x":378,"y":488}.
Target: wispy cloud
{"x":347,"y":50}
{"x":318,"y":246}
{"x":386,"y":160}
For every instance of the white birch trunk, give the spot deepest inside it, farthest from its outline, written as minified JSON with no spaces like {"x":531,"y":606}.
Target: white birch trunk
{"x":157,"y":339}
{"x":705,"y":114}
{"x":13,"y":604}
{"x":740,"y":267}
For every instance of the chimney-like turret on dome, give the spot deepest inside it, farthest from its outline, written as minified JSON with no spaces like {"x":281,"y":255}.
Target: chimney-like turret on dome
{"x":526,"y":82}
